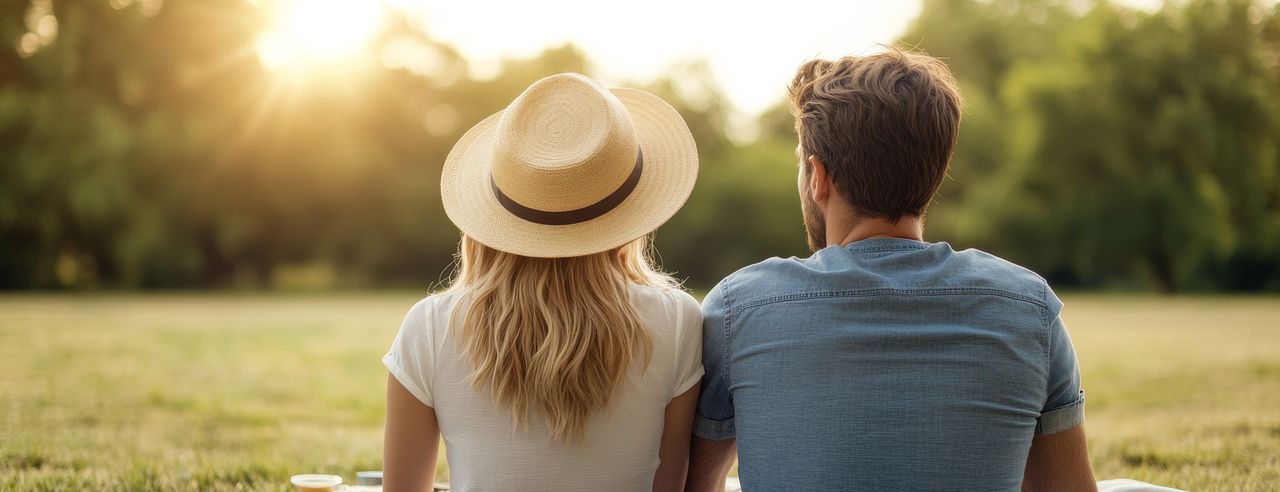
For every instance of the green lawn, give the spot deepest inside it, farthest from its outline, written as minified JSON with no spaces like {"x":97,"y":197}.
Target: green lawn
{"x":229,"y":391}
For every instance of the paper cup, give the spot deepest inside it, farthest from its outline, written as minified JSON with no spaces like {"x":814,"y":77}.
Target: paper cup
{"x":315,"y":483}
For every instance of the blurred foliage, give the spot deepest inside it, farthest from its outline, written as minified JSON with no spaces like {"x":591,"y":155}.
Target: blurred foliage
{"x":145,"y":145}
{"x":1110,"y":147}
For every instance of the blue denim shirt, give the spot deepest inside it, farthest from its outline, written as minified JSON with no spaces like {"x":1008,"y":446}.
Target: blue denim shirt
{"x":887,"y":364}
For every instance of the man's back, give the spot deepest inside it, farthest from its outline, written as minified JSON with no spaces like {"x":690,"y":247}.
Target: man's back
{"x":886,"y":364}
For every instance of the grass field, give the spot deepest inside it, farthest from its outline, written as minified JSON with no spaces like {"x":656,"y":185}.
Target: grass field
{"x":226,"y":392}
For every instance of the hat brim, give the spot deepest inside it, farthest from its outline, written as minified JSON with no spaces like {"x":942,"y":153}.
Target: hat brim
{"x":670,"y":170}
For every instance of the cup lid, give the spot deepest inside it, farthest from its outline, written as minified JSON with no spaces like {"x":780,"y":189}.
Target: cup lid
{"x":373,"y":477}
{"x":315,"y":480}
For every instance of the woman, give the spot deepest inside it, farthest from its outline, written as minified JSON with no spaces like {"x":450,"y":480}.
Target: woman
{"x":560,"y":358}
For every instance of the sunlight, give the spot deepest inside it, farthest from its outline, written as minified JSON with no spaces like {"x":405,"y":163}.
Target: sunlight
{"x":306,"y":32}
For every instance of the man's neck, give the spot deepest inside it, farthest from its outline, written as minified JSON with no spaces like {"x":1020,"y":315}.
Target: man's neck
{"x":909,"y":227}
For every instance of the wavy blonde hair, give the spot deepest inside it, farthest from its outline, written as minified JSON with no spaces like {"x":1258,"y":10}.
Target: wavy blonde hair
{"x":553,"y":335}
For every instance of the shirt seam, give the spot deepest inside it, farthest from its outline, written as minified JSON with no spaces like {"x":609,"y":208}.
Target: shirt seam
{"x":728,"y":323}
{"x":877,"y":249}
{"x":1046,"y":331}
{"x":1044,"y":308}
{"x":887,"y":292}
{"x":679,"y":355}
{"x":430,"y":328}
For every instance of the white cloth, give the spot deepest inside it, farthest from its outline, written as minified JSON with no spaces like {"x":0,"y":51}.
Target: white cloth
{"x":1127,"y":485}
{"x":486,"y":452}
{"x":1115,"y":485}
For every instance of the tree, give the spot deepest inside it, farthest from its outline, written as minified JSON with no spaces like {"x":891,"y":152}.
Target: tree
{"x":982,"y":42}
{"x":1148,"y":147}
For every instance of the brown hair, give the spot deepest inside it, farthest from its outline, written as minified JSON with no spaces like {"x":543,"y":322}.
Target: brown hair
{"x":884,"y":125}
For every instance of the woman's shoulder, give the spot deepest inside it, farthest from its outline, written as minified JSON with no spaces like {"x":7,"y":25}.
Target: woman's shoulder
{"x":675,"y":302}
{"x":432,"y":306}
{"x":666,"y":294}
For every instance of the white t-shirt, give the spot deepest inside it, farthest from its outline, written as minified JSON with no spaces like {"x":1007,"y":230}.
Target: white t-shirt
{"x":486,"y":452}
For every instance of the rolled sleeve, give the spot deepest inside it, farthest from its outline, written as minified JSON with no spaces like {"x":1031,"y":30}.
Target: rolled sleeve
{"x":409,"y":382}
{"x":689,"y":369}
{"x":1062,"y":418}
{"x":411,"y":357}
{"x":715,"y":430}
{"x":715,"y":405}
{"x":1064,"y":399}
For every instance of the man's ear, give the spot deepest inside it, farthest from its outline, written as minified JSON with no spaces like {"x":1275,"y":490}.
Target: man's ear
{"x":819,"y":180}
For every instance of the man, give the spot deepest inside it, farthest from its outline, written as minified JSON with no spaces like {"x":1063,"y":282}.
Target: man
{"x":883,"y":362}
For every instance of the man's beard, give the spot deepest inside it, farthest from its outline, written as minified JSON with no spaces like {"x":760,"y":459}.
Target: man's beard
{"x":814,"y":222}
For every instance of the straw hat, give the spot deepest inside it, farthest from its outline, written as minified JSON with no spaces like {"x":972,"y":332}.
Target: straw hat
{"x":570,"y":168}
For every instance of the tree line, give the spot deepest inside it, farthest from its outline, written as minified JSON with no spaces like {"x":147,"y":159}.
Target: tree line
{"x":1102,"y":146}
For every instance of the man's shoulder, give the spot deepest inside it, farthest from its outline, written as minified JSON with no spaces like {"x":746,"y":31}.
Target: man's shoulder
{"x":968,"y":269}
{"x":771,"y":274}
{"x":766,"y":268}
{"x":985,"y":270}
{"x":999,"y":268}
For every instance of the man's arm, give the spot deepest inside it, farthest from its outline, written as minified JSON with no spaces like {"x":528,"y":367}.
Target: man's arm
{"x":709,"y":463}
{"x":714,"y":447}
{"x":1059,"y":462}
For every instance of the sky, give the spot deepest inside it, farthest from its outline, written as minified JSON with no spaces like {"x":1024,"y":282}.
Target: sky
{"x":751,"y":47}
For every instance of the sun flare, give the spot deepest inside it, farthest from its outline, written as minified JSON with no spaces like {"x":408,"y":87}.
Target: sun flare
{"x":305,"y":32}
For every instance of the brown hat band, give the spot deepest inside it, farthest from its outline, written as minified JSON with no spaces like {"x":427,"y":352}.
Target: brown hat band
{"x":577,"y":215}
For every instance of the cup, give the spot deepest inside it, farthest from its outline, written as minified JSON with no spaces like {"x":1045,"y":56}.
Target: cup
{"x":312,"y":482}
{"x":372,"y":477}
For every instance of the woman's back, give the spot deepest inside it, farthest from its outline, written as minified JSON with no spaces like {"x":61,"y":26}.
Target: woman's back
{"x":486,"y":448}
{"x":561,"y":357}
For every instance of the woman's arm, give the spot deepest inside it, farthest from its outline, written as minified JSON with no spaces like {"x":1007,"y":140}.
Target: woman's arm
{"x":410,"y":442}
{"x":674,"y":453}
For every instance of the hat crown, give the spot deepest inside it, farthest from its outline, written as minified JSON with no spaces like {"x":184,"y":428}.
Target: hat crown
{"x":565,"y":143}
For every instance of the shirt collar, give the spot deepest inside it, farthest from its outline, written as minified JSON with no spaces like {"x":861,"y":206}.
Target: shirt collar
{"x":874,"y":244}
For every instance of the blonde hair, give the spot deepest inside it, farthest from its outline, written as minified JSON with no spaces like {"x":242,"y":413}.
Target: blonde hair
{"x":553,"y":335}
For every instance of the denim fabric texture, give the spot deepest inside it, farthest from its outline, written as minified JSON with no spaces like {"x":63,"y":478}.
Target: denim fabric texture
{"x":886,"y":364}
